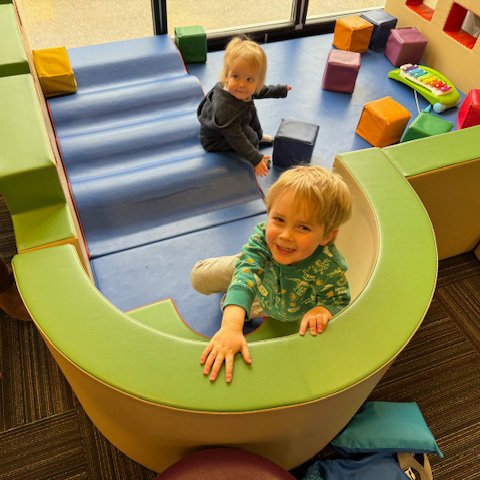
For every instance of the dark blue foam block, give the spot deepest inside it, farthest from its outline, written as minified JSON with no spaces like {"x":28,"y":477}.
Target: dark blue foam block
{"x":162,"y":200}
{"x":143,"y":275}
{"x":301,"y":63}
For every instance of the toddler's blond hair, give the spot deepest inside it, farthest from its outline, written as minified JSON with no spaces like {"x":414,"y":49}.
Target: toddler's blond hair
{"x":323,"y":191}
{"x":250,"y":51}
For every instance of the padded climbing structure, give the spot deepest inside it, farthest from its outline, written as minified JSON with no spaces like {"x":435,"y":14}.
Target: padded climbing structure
{"x":444,"y":170}
{"x":136,"y":374}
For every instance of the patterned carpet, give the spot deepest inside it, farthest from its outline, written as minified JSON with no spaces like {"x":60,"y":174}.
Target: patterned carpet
{"x":44,"y":433}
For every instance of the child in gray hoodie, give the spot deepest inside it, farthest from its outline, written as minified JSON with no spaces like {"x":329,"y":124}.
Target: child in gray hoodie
{"x":227,"y":114}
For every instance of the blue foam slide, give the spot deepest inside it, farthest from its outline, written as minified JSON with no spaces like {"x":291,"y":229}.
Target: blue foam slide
{"x":165,"y":200}
{"x":150,"y":200}
{"x":129,"y":142}
{"x":119,"y":64}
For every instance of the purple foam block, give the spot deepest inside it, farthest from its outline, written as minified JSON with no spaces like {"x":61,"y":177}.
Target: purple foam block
{"x":341,"y":71}
{"x":405,"y":45}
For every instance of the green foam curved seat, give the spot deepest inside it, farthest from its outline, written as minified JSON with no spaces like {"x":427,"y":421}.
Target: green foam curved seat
{"x":138,"y":375}
{"x":29,"y":179}
{"x":52,"y":281}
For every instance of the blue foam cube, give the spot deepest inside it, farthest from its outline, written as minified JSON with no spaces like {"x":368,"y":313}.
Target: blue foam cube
{"x":382,"y":24}
{"x":294,"y":143}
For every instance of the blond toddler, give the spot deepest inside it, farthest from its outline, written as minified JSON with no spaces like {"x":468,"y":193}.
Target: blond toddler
{"x":228,"y":116}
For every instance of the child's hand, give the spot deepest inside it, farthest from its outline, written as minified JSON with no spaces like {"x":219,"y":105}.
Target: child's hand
{"x":222,"y":348}
{"x":225,"y":344}
{"x":289,"y":87}
{"x":316,"y":320}
{"x":261,"y":169}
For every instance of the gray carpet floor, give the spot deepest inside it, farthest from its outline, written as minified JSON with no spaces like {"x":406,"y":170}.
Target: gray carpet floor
{"x":44,"y":433}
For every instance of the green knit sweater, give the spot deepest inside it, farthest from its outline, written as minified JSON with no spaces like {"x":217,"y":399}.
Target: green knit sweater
{"x":287,"y":292}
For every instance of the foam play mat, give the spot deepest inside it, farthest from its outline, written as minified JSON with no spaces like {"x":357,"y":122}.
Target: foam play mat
{"x":129,"y":142}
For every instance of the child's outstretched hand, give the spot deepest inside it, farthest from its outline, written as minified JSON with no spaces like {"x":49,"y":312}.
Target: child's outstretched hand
{"x":315,"y":320}
{"x":261,"y":168}
{"x":225,"y":344}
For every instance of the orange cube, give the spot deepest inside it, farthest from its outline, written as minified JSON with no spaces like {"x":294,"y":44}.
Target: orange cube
{"x":352,"y":33}
{"x":382,"y":122}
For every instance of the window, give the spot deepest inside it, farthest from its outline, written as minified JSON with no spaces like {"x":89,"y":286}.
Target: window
{"x":215,"y":16}
{"x":462,"y":25}
{"x":424,"y":8}
{"x":320,"y":8}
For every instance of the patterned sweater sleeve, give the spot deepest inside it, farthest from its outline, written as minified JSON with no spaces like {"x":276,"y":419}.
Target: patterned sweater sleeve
{"x":334,"y":291}
{"x":248,"y":270}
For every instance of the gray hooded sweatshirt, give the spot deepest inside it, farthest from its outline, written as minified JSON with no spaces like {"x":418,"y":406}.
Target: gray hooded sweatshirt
{"x":228,"y":123}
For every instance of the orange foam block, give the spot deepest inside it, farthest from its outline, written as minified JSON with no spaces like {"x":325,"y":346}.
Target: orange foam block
{"x":382,"y":122}
{"x":352,"y":33}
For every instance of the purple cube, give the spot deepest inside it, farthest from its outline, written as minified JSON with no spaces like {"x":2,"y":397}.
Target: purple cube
{"x":341,"y":71}
{"x":405,"y":45}
{"x":382,"y":24}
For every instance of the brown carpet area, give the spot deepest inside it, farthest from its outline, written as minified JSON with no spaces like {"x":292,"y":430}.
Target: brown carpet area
{"x":44,"y":433}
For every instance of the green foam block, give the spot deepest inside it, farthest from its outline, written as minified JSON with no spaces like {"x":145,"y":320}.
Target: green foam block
{"x":192,"y":43}
{"x":426,"y":125}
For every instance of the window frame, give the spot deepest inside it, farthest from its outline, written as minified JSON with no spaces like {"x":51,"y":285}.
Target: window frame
{"x":298,"y":26}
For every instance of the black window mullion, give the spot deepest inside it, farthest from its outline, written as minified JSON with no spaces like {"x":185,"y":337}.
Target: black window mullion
{"x":300,"y":8}
{"x":159,"y":14}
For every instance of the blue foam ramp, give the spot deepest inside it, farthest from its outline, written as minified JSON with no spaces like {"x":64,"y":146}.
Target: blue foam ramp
{"x":151,"y":201}
{"x":164,"y":200}
{"x":129,"y":142}
{"x":117,"y":64}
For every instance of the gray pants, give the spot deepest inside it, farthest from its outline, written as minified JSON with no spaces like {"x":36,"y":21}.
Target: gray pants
{"x":213,"y":275}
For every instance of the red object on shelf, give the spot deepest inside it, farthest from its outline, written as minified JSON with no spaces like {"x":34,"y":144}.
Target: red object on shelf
{"x":469,"y":113}
{"x":453,"y":26}
{"x":421,"y":9}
